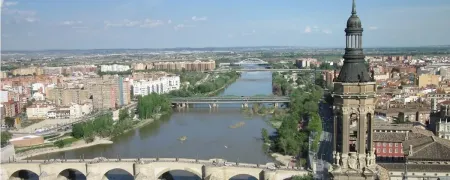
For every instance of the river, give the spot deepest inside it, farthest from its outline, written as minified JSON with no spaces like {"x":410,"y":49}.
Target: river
{"x":207,"y":130}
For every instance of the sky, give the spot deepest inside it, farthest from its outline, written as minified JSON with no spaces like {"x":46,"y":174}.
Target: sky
{"x":104,"y":24}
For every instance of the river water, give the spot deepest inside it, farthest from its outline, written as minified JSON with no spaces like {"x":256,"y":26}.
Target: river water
{"x":207,"y":130}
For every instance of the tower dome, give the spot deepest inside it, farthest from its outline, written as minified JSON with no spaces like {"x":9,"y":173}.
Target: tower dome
{"x":354,"y":21}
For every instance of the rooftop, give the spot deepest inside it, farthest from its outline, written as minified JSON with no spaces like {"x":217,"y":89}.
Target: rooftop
{"x":429,"y":148}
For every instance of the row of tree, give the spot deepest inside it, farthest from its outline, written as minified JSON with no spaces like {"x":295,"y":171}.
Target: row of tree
{"x":152,"y":104}
{"x":207,"y":87}
{"x":302,"y":120}
{"x":102,"y":126}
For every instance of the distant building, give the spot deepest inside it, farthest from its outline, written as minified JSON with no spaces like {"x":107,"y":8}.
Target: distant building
{"x":114,"y":68}
{"x":305,"y":63}
{"x":38,"y":111}
{"x":428,"y":79}
{"x":177,"y":65}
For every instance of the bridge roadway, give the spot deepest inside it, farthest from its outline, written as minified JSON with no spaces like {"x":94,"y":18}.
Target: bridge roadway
{"x":230,"y":99}
{"x":267,"y":70}
{"x":144,"y":168}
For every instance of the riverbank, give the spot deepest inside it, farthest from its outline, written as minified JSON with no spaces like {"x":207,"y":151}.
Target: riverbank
{"x":82,"y":143}
{"x":76,"y":145}
{"x":229,"y":82}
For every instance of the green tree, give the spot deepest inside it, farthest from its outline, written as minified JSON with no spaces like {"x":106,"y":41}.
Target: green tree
{"x":6,"y":136}
{"x":265,"y":135}
{"x":123,"y":114}
{"x":305,"y":177}
{"x":77,"y":130}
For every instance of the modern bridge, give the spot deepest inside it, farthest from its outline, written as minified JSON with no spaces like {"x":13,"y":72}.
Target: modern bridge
{"x":143,"y":168}
{"x":244,"y":100}
{"x":251,"y":61}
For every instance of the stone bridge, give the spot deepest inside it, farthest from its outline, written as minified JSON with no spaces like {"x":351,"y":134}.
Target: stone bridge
{"x":143,"y":169}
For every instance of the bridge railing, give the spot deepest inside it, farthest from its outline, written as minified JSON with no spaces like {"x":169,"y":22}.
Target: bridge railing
{"x":210,"y":162}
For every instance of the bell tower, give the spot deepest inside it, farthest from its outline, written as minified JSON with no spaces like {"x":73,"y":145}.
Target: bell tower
{"x":353,"y":108}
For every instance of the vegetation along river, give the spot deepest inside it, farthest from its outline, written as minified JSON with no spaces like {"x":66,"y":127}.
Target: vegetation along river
{"x":208,"y":133}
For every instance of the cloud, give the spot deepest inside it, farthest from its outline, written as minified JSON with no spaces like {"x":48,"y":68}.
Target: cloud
{"x":308,"y":29}
{"x":20,"y":15}
{"x":147,"y":23}
{"x":373,"y":28}
{"x":169,"y":21}
{"x":326,"y":31}
{"x":230,"y":36}
{"x":248,"y":33}
{"x":69,"y":23}
{"x":9,"y":3}
{"x":181,"y":26}
{"x":195,"y":18}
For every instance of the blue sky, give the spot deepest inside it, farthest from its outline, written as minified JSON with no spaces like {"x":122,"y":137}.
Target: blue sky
{"x":88,"y":24}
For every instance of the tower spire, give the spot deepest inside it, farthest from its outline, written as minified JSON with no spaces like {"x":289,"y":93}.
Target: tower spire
{"x":354,"y":7}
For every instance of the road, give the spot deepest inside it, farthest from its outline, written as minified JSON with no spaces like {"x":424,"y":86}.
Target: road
{"x":325,"y":154}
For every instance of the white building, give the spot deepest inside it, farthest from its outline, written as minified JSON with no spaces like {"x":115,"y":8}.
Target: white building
{"x":38,"y":87}
{"x":38,"y":96}
{"x":38,"y":111}
{"x":3,"y":96}
{"x":443,"y":129}
{"x":161,"y":85}
{"x":72,"y":111}
{"x":114,"y":68}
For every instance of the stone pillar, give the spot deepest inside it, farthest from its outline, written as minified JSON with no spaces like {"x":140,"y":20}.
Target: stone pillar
{"x":93,"y":172}
{"x":345,"y":131}
{"x":361,"y":141}
{"x":275,"y":105}
{"x":144,"y":172}
{"x":335,"y":124}
{"x":370,"y":145}
{"x":45,"y":176}
{"x":270,"y":175}
{"x":214,"y":173}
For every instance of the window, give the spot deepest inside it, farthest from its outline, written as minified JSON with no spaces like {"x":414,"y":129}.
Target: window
{"x":378,"y":144}
{"x":378,"y":150}
{"x":396,"y":144}
{"x":396,"y":151}
{"x":390,"y":144}
{"x":401,"y":150}
{"x":384,"y":150}
{"x":390,"y":150}
{"x":384,"y":144}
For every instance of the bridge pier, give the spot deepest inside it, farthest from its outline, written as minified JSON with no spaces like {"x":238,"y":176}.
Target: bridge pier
{"x":275,"y":105}
{"x":245,"y":105}
{"x":213,"y":105}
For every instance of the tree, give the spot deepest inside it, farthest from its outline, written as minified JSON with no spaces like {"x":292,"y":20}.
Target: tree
{"x":305,"y":177}
{"x":77,"y":130}
{"x":9,"y":121}
{"x":265,"y":135}
{"x":123,"y":114}
{"x":6,"y":136}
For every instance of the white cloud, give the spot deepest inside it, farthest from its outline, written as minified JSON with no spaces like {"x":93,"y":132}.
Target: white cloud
{"x":308,"y":29}
{"x":181,"y":26}
{"x":147,"y":23}
{"x":20,"y":15}
{"x":169,"y":21}
{"x":195,"y":18}
{"x":10,"y":3}
{"x":230,"y":36}
{"x":248,"y":33}
{"x":326,"y":31}
{"x":69,"y":23}
{"x":373,"y":28}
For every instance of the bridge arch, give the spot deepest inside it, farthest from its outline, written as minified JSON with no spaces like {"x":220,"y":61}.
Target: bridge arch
{"x":71,"y":174}
{"x":243,"y":177}
{"x":24,"y":174}
{"x":118,"y":173}
{"x":186,"y":169}
{"x":247,"y":172}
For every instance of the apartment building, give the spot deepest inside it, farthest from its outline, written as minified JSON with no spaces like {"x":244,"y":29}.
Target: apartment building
{"x":27,"y":71}
{"x":159,"y":85}
{"x":114,"y":68}
{"x":66,"y":96}
{"x":72,"y":111}
{"x":177,"y":65}
{"x":428,"y":79}
{"x":305,"y":63}
{"x":396,"y":58}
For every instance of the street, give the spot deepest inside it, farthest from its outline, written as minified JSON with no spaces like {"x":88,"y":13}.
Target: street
{"x":325,"y":153}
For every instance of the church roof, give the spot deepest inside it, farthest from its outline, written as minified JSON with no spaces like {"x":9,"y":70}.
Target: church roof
{"x":429,"y":148}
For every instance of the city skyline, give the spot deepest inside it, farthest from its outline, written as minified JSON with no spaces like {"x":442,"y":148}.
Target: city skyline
{"x":136,"y":24}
